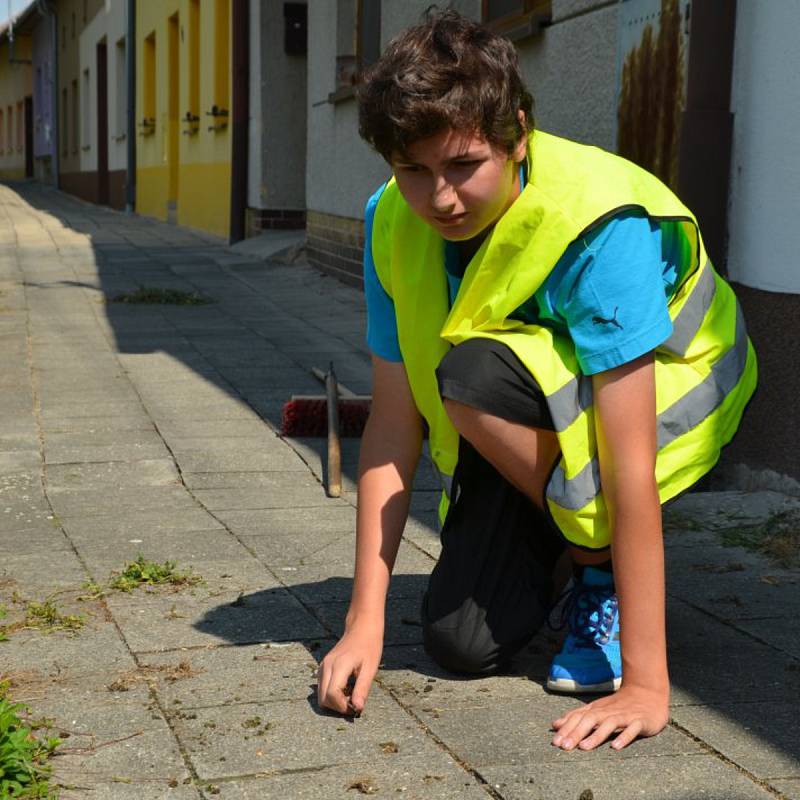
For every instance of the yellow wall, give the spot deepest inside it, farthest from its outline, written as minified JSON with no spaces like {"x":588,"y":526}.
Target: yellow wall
{"x":15,"y":85}
{"x":201,"y":180}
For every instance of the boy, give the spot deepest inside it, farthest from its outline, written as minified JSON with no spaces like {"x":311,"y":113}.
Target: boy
{"x":549,"y":310}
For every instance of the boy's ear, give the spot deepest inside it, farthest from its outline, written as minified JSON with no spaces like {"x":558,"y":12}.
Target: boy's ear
{"x":521,"y":150}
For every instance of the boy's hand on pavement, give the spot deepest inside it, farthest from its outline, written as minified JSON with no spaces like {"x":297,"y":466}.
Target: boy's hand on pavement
{"x":632,"y":712}
{"x":357,"y":653}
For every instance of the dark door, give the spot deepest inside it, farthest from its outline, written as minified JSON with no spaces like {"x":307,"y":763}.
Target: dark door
{"x":102,"y":124}
{"x":28,"y":137}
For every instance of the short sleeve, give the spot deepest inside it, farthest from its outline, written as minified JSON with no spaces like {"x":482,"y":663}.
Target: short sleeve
{"x":381,"y":318}
{"x":612,"y":296}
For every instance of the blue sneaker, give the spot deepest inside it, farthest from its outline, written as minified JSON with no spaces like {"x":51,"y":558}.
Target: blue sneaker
{"x":590,"y":659}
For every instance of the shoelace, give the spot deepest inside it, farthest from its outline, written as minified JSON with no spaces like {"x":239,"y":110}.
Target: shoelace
{"x":588,"y":612}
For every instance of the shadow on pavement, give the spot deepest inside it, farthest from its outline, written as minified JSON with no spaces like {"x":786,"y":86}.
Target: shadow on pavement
{"x":254,"y":347}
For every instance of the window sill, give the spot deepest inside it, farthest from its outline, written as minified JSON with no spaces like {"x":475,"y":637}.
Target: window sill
{"x":341,"y":94}
{"x":521,"y":26}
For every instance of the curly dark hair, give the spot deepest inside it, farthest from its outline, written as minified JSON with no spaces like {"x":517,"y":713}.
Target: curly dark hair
{"x":446,"y":72}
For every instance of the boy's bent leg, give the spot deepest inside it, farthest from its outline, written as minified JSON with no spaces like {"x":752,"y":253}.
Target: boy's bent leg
{"x":493,"y":585}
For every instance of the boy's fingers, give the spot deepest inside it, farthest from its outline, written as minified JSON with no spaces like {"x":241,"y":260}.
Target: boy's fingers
{"x":628,"y":735}
{"x":601,"y":733}
{"x":333,"y":696}
{"x":361,"y":689}
{"x":323,"y":679}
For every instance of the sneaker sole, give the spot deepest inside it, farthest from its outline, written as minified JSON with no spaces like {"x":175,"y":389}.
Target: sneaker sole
{"x":571,"y":687}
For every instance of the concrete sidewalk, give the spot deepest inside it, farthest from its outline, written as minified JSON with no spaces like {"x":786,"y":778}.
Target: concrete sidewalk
{"x":151,"y":429}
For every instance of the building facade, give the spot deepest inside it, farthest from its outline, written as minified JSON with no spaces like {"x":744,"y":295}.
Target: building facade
{"x":41,"y":27}
{"x":77,"y":118}
{"x":16,"y":105}
{"x":183,"y":111}
{"x":103,"y":101}
{"x":650,"y":79}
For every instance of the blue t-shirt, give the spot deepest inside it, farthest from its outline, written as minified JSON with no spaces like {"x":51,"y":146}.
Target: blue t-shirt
{"x":608,"y":292}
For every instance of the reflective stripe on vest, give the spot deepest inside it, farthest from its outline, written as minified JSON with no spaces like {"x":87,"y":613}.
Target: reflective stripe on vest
{"x":571,"y":400}
{"x":688,"y":412}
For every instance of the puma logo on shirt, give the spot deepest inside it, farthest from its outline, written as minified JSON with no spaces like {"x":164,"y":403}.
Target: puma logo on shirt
{"x":604,"y":321}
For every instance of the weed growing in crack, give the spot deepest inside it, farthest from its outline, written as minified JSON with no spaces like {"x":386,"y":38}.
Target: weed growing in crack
{"x":149,"y":295}
{"x":778,"y":537}
{"x":24,"y":757}
{"x":150,"y":573}
{"x":44,"y":616}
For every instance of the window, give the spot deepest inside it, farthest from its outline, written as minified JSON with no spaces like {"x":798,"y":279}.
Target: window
{"x":2,"y":134}
{"x":121,"y":99}
{"x":64,"y":122}
{"x":517,"y":18}
{"x":86,"y":135}
{"x":76,"y":120}
{"x":20,"y":126}
{"x":358,"y":41}
{"x":149,"y":85}
{"x":221,"y":54}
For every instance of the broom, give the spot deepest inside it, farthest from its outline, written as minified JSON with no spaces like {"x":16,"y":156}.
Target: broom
{"x":312,"y":415}
{"x":307,"y":415}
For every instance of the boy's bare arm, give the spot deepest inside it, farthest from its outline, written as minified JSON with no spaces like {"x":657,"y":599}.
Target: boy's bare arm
{"x":390,"y":451}
{"x":625,"y":409}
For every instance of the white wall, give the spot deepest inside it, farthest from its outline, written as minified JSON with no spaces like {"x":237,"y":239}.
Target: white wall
{"x":109,"y":22}
{"x":571,"y":70}
{"x":765,"y":164}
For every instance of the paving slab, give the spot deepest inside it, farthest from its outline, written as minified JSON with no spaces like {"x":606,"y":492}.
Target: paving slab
{"x":243,"y":499}
{"x":761,"y":737}
{"x":441,"y":779}
{"x":687,"y":777}
{"x":153,"y":472}
{"x":252,"y":738}
{"x":225,"y":676}
{"x":702,"y":670}
{"x":134,"y":523}
{"x":336,"y":517}
{"x":172,"y":621}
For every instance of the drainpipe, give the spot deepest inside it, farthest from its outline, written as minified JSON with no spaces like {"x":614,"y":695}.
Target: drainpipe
{"x":48,"y":12}
{"x":240,"y":25}
{"x":130,"y":135}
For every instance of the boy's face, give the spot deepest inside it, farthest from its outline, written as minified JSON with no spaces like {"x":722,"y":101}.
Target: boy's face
{"x":458,"y":183}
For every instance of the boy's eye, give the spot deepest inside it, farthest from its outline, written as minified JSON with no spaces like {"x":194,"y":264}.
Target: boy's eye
{"x":472,"y":162}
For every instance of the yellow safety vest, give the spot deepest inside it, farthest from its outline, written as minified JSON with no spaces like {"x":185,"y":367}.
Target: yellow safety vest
{"x":705,"y":372}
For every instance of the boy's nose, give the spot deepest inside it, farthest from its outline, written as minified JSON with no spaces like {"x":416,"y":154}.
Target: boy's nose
{"x":443,"y":197}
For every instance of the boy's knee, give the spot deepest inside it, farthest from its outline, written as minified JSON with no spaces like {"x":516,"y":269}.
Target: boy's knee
{"x":457,"y":650}
{"x":468,"y":363}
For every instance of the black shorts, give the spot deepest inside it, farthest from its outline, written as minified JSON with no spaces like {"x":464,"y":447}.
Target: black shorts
{"x":492,"y":587}
{"x":488,"y":375}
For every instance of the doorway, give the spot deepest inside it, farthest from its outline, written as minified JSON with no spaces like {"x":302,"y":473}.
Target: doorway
{"x":173,"y":132}
{"x":28,"y":137}
{"x":102,"y":124}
